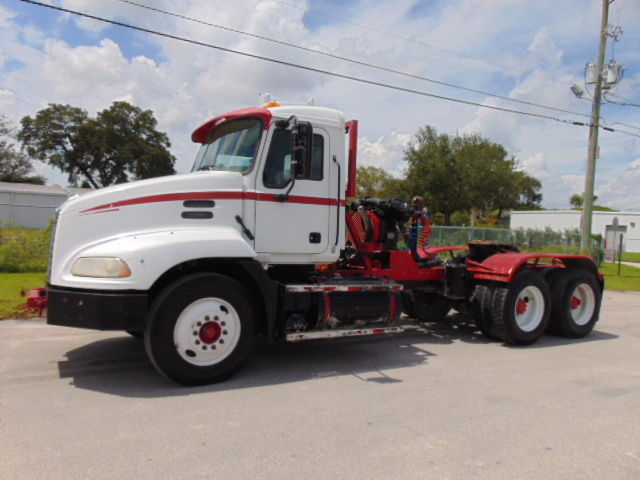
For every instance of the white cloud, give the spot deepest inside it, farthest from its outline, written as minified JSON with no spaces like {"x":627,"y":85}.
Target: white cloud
{"x":185,"y":85}
{"x":386,"y":152}
{"x":556,"y":189}
{"x":622,"y":192}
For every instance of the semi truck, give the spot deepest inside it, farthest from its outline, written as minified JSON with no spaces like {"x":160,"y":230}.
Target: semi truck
{"x":260,"y":240}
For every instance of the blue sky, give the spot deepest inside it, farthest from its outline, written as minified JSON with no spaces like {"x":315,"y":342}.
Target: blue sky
{"x":532,"y":51}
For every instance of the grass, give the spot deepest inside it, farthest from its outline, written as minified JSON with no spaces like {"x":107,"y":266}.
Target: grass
{"x":11,"y":284}
{"x":24,"y":250}
{"x":631,"y":257}
{"x":629,"y":279}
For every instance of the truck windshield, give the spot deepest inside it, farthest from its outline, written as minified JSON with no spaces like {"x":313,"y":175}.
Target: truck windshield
{"x":231,"y":146}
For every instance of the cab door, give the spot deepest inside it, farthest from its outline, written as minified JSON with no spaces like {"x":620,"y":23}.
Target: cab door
{"x":297,"y":223}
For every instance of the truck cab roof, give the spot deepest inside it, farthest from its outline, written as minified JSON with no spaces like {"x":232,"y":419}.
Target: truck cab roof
{"x":316,"y":115}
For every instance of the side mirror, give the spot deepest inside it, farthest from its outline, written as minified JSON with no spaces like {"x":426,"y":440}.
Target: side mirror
{"x":302,"y":148}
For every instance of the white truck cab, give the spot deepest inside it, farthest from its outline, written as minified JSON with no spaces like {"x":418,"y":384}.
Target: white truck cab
{"x":241,"y":200}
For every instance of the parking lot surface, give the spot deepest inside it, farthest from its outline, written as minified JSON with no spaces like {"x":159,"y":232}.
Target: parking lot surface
{"x":434,"y":403}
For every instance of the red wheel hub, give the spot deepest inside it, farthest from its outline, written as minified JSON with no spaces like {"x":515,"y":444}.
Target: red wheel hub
{"x":521,"y":305}
{"x":575,"y":303}
{"x":210,"y":332}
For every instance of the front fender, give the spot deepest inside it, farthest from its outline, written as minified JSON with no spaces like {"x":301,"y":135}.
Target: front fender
{"x":149,"y":255}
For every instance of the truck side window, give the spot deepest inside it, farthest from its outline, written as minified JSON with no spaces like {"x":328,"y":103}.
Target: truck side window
{"x":277,"y":169}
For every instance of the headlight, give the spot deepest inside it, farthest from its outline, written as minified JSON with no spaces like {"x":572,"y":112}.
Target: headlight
{"x":101,"y":267}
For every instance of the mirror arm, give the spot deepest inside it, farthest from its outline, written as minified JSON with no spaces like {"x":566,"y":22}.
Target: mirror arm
{"x":283,"y":197}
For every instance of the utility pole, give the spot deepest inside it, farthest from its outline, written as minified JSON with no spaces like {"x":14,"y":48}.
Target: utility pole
{"x":587,"y":206}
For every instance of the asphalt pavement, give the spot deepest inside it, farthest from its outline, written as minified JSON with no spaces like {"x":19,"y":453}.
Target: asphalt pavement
{"x":440,"y":403}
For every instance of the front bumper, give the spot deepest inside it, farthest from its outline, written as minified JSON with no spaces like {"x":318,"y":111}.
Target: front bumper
{"x":98,"y":310}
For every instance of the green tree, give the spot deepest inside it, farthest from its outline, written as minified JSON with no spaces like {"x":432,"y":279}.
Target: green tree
{"x":14,"y":165}
{"x":577,"y":201}
{"x":376,"y":182}
{"x":530,"y":195}
{"x":435,"y":172}
{"x":461,"y":172}
{"x":120,"y":144}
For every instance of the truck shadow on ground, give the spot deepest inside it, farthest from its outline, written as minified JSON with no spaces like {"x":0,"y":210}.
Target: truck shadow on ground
{"x":119,"y":366}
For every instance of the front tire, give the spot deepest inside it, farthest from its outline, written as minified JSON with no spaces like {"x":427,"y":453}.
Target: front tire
{"x":576,"y":301}
{"x":520,"y":310}
{"x":136,"y":334}
{"x":201,"y":329}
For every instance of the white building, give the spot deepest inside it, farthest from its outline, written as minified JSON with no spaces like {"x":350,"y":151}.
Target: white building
{"x":627,"y":224}
{"x":31,"y":206}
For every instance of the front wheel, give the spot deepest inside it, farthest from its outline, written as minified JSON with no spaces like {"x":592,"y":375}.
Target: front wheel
{"x":520,"y":310}
{"x":136,"y":334}
{"x":201,"y":329}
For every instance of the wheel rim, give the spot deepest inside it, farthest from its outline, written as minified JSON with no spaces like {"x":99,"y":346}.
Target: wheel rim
{"x":582,"y":304}
{"x":207,"y":331}
{"x":529,"y":308}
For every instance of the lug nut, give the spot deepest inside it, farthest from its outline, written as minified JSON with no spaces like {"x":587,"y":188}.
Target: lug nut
{"x":206,"y":319}
{"x":224,"y":332}
{"x":199,"y":324}
{"x":197,"y":342}
{"x":221,"y":341}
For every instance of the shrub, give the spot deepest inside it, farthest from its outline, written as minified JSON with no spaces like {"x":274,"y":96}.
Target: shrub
{"x":24,"y":250}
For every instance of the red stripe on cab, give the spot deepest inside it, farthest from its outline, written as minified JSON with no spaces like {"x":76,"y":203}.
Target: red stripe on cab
{"x":238,"y":195}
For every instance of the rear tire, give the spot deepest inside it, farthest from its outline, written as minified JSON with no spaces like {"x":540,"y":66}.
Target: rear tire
{"x":575,"y":303}
{"x":481,"y":310}
{"x":520,"y":310}
{"x":201,"y":329}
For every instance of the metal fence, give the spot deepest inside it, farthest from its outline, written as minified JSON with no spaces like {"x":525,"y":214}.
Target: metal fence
{"x":531,"y":240}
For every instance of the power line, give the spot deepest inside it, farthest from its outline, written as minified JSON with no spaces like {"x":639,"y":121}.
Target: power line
{"x":615,"y":102}
{"x":626,"y":125}
{"x":312,"y":69}
{"x":418,"y":42}
{"x":350,"y":60}
{"x":626,"y":133}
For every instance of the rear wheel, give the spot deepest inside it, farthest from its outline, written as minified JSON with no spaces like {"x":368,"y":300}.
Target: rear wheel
{"x":201,"y":329}
{"x":575,"y":300}
{"x":520,"y":310}
{"x":481,"y":310}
